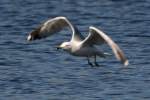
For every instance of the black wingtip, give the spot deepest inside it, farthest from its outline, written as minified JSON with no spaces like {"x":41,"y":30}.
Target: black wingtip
{"x":34,"y":35}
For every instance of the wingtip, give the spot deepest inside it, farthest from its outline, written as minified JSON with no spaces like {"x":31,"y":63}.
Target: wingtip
{"x":29,"y":38}
{"x":126,"y":63}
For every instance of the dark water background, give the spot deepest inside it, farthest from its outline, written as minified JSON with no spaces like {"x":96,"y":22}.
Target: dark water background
{"x":36,"y":71}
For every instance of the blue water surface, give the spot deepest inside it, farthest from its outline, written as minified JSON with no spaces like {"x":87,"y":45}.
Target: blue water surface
{"x":37,"y":71}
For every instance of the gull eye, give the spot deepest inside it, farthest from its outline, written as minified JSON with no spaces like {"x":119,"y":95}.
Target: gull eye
{"x":68,"y":46}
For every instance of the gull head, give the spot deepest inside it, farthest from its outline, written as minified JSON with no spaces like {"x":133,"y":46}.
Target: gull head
{"x":34,"y":35}
{"x":65,"y":46}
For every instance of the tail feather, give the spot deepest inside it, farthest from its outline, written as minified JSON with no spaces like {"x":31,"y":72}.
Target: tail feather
{"x":104,"y":55}
{"x":107,"y":54}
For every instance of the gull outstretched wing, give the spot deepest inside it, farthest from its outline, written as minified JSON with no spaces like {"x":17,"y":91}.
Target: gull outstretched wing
{"x":96,"y":36}
{"x":53,"y":26}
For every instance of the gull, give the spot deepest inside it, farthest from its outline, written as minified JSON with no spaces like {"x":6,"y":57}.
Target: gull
{"x":79,"y":45}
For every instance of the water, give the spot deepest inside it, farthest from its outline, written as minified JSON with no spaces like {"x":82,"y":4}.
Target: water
{"x":36,"y":71}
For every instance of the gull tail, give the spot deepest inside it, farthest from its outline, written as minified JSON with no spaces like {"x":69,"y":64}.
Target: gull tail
{"x":103,"y":54}
{"x":107,"y":54}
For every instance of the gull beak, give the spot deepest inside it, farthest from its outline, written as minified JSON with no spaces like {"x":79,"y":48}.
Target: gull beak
{"x":58,"y":47}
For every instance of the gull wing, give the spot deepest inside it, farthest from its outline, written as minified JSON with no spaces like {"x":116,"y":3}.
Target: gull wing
{"x":53,"y":26}
{"x":93,"y":38}
{"x":96,"y":36}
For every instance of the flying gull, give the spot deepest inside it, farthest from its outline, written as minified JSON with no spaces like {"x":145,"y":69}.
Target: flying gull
{"x":78,"y":44}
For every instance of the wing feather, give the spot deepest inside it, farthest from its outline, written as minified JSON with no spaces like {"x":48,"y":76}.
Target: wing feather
{"x":53,"y":26}
{"x":93,"y":38}
{"x":96,"y":36}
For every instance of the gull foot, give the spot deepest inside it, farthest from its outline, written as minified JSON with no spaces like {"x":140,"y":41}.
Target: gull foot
{"x":91,"y":64}
{"x":96,"y":64}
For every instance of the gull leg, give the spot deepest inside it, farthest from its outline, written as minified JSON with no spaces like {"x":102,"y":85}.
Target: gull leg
{"x":89,"y":62}
{"x":96,"y":64}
